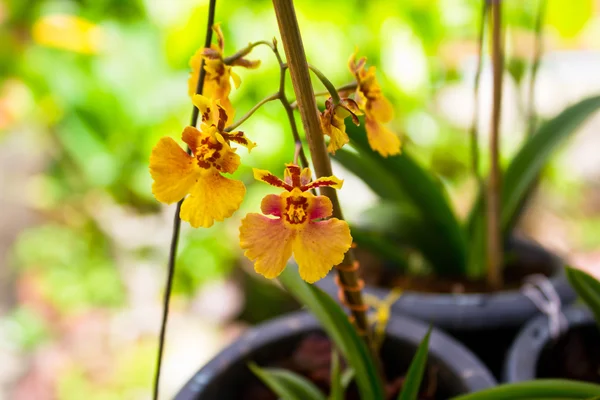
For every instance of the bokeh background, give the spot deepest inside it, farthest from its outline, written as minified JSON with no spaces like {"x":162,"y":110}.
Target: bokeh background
{"x":87,"y":87}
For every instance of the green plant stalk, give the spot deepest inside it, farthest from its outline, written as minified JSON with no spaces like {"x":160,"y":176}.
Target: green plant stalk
{"x":298,"y":66}
{"x":327,"y":83}
{"x":494,"y":238}
{"x":274,"y":96}
{"x":474,"y":127}
{"x":176,"y":219}
{"x":531,"y":117}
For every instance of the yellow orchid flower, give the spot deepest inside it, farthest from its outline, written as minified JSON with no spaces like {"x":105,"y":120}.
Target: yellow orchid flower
{"x":212,"y":197}
{"x":217,"y":83}
{"x":298,"y":228}
{"x":378,"y":110}
{"x":332,"y":122}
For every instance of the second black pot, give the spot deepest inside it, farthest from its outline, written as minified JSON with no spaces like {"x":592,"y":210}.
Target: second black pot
{"x":227,"y":375}
{"x":487,"y":323}
{"x":533,"y":353}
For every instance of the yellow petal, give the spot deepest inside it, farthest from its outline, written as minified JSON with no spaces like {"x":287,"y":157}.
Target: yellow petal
{"x":204,"y":104}
{"x":381,"y":139}
{"x":192,"y":137}
{"x":237,"y":81}
{"x":305,"y":176}
{"x":240,"y":138}
{"x":337,"y":133}
{"x":381,"y":109}
{"x":220,"y":38}
{"x":173,"y":171}
{"x":267,"y":243}
{"x":195,"y":63}
{"x":229,"y":161}
{"x":212,"y":198}
{"x":320,"y":246}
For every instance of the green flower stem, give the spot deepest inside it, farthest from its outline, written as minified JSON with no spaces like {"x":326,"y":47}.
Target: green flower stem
{"x":344,"y":88}
{"x":327,"y":83}
{"x":258,"y":105}
{"x":294,"y":50}
{"x":244,"y":52}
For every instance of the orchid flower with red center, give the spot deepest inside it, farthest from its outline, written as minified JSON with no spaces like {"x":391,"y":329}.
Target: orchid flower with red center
{"x":212,"y":197}
{"x":378,"y":110}
{"x":299,"y":227}
{"x":217,"y":83}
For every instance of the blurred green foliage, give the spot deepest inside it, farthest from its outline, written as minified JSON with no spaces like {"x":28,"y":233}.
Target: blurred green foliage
{"x":98,"y":115}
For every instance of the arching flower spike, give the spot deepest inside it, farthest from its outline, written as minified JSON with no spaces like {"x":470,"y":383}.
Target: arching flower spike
{"x":298,"y":227}
{"x":332,"y":122}
{"x":217,"y":83}
{"x":212,"y":197}
{"x":376,"y":107}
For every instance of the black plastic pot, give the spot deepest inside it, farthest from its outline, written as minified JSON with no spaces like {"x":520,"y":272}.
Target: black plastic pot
{"x":226,"y":376}
{"x":526,"y":354}
{"x":486,"y":322}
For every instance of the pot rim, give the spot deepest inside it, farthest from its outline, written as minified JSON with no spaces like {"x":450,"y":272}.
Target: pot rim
{"x":456,"y":357}
{"x":474,"y":311}
{"x":524,"y":353}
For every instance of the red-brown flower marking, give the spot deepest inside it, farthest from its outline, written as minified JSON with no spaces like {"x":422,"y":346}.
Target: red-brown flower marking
{"x":299,"y":227}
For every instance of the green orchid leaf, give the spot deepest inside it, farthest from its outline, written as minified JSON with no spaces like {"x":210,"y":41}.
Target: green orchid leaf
{"x":287,"y":385}
{"x":401,"y":180}
{"x":414,"y":376}
{"x":337,"y":390}
{"x":587,"y":287}
{"x":521,"y":175}
{"x":536,"y":390}
{"x":373,"y":174}
{"x":339,"y":329}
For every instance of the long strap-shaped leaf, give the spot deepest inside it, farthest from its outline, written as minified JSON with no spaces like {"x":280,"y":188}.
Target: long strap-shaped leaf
{"x":287,"y":385}
{"x":402,"y":179}
{"x":414,"y":376}
{"x":521,"y":174}
{"x":588,"y":288}
{"x":536,"y":390}
{"x":335,"y":322}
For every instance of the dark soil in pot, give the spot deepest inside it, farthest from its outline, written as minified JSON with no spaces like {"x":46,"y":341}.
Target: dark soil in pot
{"x":486,"y":322}
{"x":297,"y":342}
{"x":575,"y":354}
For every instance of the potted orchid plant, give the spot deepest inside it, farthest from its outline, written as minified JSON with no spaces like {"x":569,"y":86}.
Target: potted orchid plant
{"x":303,"y":220}
{"x":464,"y":276}
{"x":297,"y":222}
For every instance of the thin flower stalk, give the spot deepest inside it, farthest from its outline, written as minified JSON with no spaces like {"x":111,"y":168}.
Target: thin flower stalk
{"x":177,"y":220}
